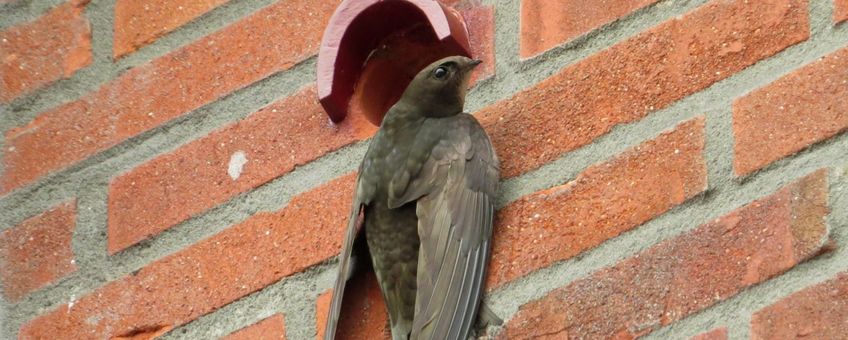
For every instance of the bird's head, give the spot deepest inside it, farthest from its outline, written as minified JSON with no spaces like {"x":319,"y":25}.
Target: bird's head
{"x":439,"y":89}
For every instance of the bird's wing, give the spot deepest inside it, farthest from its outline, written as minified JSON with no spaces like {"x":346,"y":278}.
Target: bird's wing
{"x":345,"y":260}
{"x":455,"y":190}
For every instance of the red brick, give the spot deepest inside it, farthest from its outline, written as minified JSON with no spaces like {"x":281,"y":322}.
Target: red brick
{"x":687,"y":273}
{"x":716,"y":334}
{"x":173,"y":187}
{"x":546,"y":24}
{"x":631,"y":79}
{"x":363,"y":316}
{"x":38,"y":251}
{"x":37,"y":53}
{"x":798,"y":110}
{"x":817,"y":312}
{"x":480,"y":21}
{"x":138,"y":23}
{"x":270,"y":40}
{"x":209,"y":274}
{"x":271,"y":328}
{"x":601,"y":203}
{"x":840,"y":11}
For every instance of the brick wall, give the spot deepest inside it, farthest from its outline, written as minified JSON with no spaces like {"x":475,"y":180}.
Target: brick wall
{"x":670,"y":169}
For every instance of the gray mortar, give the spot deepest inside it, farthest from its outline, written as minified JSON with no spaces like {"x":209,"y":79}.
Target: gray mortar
{"x":24,"y":10}
{"x":294,"y":296}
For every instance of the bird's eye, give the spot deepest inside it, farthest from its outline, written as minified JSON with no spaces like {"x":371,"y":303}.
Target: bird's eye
{"x":440,"y":72}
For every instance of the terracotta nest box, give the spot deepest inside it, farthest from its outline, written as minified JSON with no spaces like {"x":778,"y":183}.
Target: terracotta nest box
{"x":372,"y":49}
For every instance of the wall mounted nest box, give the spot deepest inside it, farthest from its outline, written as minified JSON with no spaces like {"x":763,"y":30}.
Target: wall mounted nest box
{"x":372,"y":49}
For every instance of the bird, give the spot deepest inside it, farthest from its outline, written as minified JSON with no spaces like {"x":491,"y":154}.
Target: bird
{"x":423,"y":208}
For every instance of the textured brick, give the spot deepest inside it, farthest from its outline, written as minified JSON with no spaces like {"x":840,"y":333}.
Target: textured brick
{"x":716,"y":334}
{"x":601,"y":203}
{"x":37,"y":53}
{"x":546,"y":24}
{"x":687,"y":273}
{"x":202,"y":174}
{"x":38,"y":251}
{"x":209,"y":274}
{"x":138,"y":23}
{"x":271,"y":328}
{"x":480,"y":21}
{"x":840,"y":11}
{"x":817,"y":312}
{"x":792,"y":113}
{"x":363,"y":315}
{"x":268,"y":41}
{"x":640,"y":75}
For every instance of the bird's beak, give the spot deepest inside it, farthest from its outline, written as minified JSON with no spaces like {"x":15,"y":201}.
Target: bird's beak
{"x":470,"y":64}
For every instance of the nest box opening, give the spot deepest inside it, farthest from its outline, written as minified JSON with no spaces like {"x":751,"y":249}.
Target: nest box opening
{"x":372,"y":49}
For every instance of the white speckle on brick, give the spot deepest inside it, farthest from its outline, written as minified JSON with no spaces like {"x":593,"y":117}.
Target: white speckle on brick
{"x":71,"y":303}
{"x":237,"y":162}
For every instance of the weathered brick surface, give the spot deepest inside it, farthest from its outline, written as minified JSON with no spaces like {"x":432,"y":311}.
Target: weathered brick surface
{"x":480,"y":21}
{"x":716,"y":334}
{"x":602,"y":202}
{"x":687,"y":273}
{"x":363,"y":316}
{"x":37,"y":252}
{"x":175,"y":186}
{"x":138,"y":23}
{"x":640,"y":75}
{"x":209,"y":274}
{"x":840,"y":12}
{"x":270,"y":40}
{"x":546,"y":24}
{"x":818,"y":312}
{"x":37,"y":53}
{"x":792,"y":113}
{"x":271,"y":328}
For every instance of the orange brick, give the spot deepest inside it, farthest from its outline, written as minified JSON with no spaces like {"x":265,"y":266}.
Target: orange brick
{"x":546,"y":24}
{"x":480,"y":21}
{"x":270,"y":40}
{"x":271,"y":328}
{"x":840,"y":11}
{"x":38,"y":251}
{"x":37,"y":53}
{"x":688,"y":273}
{"x":209,"y":274}
{"x":363,"y":315}
{"x":601,"y":203}
{"x":818,"y":312}
{"x":138,"y":23}
{"x":200,"y":175}
{"x":716,"y":334}
{"x":802,"y":108}
{"x":642,"y":74}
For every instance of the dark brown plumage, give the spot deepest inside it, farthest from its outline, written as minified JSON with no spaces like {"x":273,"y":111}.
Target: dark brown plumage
{"x":425,"y":193}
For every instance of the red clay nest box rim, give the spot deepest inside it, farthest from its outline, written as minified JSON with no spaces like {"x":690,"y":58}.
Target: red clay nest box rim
{"x":357,"y":28}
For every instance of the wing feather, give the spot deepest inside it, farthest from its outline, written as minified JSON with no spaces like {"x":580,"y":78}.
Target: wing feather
{"x":455,"y":191}
{"x":355,"y":222}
